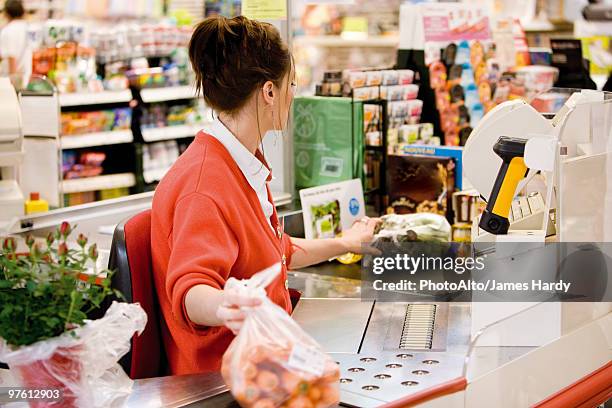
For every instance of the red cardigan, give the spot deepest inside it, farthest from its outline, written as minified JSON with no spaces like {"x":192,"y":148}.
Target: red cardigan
{"x":207,"y":224}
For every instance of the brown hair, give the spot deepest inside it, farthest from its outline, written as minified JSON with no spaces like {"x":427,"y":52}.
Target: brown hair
{"x":232,"y":57}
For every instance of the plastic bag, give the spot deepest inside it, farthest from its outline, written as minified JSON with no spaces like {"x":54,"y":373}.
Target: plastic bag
{"x":272,"y":362}
{"x":410,"y":227}
{"x":81,"y":363}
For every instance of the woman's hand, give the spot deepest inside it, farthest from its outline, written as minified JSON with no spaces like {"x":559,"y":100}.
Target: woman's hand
{"x":229,"y":312}
{"x":361,"y":232}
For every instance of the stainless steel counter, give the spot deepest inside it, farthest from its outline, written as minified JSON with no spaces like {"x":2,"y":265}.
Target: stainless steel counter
{"x":369,"y":340}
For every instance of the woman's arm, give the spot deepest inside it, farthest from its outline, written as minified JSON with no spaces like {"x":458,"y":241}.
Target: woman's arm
{"x":208,"y":306}
{"x":313,"y":251}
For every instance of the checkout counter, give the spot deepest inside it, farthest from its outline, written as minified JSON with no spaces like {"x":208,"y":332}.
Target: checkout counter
{"x":395,"y":354}
{"x":426,"y":354}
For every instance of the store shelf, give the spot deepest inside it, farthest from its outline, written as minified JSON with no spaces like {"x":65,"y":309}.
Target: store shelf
{"x":338,"y":41}
{"x":281,"y":198}
{"x":95,"y":98}
{"x":171,"y":132}
{"x":172,"y":93}
{"x":98,"y":183}
{"x":154,"y":175}
{"x":96,"y":139}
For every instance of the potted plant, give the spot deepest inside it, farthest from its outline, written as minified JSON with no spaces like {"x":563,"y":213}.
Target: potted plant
{"x":46,"y":295}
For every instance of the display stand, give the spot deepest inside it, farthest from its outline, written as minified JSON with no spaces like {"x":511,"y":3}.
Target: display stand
{"x":379,"y":193}
{"x":41,"y":167}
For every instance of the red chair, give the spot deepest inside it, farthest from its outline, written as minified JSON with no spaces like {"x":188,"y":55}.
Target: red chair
{"x":130,"y":258}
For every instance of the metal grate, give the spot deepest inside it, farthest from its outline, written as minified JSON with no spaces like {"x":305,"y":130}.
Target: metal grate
{"x":418,"y":328}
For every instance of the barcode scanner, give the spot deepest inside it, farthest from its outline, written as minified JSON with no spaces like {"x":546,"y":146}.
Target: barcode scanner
{"x":513,"y":169}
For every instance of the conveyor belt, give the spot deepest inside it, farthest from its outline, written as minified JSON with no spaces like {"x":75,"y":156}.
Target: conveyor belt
{"x":404,"y":347}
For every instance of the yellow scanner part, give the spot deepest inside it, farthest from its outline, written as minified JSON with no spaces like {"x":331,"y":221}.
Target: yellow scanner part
{"x":514,"y":174}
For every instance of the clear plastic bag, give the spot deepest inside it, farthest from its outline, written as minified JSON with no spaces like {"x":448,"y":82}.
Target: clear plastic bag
{"x":272,"y":362}
{"x":410,"y":227}
{"x":81,"y":363}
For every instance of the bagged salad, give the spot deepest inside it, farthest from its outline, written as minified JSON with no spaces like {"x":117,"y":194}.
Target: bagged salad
{"x":413,"y":227}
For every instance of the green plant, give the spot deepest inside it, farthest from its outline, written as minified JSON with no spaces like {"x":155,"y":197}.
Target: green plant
{"x":46,"y":292}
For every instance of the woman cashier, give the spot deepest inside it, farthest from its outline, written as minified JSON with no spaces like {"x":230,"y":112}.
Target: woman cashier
{"x":213,"y":216}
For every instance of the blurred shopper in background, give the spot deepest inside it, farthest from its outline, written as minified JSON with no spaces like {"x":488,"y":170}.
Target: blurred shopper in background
{"x":15,"y":52}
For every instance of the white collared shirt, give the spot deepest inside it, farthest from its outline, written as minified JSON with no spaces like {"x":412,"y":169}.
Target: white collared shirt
{"x":253,"y":169}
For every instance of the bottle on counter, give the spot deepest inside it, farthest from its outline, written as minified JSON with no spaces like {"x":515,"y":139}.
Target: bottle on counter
{"x":36,"y":204}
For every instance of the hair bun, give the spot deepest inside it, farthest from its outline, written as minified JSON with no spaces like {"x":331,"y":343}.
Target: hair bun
{"x":231,"y":57}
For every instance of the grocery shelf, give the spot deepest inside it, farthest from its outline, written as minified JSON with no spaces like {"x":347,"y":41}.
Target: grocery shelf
{"x":170,"y":132}
{"x":94,"y":98}
{"x":96,"y":139}
{"x":153,"y":175}
{"x":338,"y":41}
{"x":171,"y":93}
{"x":98,"y":183}
{"x":281,"y":198}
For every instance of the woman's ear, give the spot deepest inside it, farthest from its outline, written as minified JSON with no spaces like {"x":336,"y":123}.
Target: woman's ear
{"x":269,"y":93}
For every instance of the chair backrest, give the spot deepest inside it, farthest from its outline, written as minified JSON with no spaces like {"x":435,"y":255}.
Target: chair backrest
{"x":131,"y":259}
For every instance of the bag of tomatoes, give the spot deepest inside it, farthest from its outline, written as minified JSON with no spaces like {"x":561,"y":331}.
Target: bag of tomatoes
{"x":272,"y":362}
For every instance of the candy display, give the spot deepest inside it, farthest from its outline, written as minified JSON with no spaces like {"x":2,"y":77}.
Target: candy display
{"x":76,"y":123}
{"x":468,"y":82}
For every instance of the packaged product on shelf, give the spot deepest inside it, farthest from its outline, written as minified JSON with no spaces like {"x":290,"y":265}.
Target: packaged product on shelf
{"x":372,"y":124}
{"x":373,"y":138}
{"x":548,"y":102}
{"x":355,"y":79}
{"x":371,"y":117}
{"x":122,"y":119}
{"x":399,"y":92}
{"x":367,"y":93}
{"x":420,"y":184}
{"x":373,"y":78}
{"x":89,"y":164}
{"x":537,"y":79}
{"x":402,"y":109}
{"x":113,"y":193}
{"x":147,"y":77}
{"x":332,"y":84}
{"x":408,"y":134}
{"x":76,"y":123}
{"x":406,"y":76}
{"x":79,"y":198}
{"x":390,"y":77}
{"x":467,"y":205}
{"x":413,"y":134}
